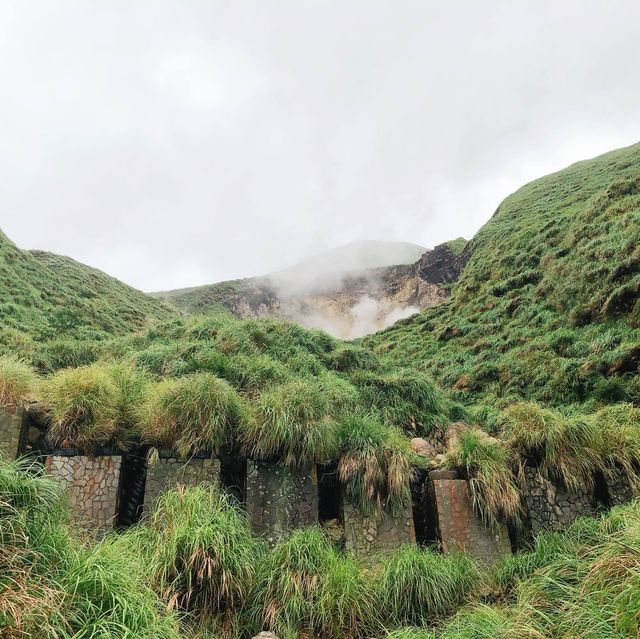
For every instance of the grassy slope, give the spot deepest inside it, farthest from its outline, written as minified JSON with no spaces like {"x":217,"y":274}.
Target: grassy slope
{"x":547,"y":308}
{"x":49,"y":296}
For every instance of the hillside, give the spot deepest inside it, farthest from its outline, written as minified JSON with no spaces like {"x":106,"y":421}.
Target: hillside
{"x":349,"y":291}
{"x":547,"y":307}
{"x":48,"y":296}
{"x":543,"y":308}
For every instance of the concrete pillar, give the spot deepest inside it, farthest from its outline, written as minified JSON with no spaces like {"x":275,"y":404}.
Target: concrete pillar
{"x":165,"y":471}
{"x":383,"y":533}
{"x":551,"y":506}
{"x":91,"y":486}
{"x":279,"y":499}
{"x":458,"y":525}
{"x":13,"y":427}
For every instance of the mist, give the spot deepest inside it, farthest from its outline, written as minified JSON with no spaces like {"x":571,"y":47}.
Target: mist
{"x":173,"y":144}
{"x":350,"y":291}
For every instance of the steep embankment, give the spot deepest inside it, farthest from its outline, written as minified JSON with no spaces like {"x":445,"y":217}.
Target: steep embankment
{"x":45,"y":296}
{"x":349,"y":292}
{"x":547,"y":307}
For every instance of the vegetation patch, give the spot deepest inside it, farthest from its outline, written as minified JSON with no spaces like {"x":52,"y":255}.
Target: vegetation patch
{"x":17,"y":381}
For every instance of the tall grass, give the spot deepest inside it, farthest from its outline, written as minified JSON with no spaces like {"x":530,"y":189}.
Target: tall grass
{"x":566,"y":447}
{"x":293,"y":423}
{"x":53,"y":585}
{"x":85,"y":407}
{"x":418,"y":586}
{"x":201,"y":553}
{"x":17,"y":381}
{"x":306,"y":586}
{"x":489,"y":465}
{"x":375,"y":464}
{"x":405,"y":398}
{"x":199,"y":411}
{"x":620,"y":436}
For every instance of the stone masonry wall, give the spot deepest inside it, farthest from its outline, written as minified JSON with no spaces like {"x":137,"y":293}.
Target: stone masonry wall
{"x":12,"y":427}
{"x":279,"y":499}
{"x":165,"y":473}
{"x":91,"y":484}
{"x":618,"y":486}
{"x":458,"y":525}
{"x":366,"y":535}
{"x":552,"y":507}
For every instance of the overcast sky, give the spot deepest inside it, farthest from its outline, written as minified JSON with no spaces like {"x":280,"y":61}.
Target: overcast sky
{"x":175,"y":143}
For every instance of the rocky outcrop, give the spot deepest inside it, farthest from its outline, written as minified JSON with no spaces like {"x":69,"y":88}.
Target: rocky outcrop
{"x":441,"y":265}
{"x":346,"y":304}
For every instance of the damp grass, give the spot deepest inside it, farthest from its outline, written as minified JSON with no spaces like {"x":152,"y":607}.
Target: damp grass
{"x":417,"y":586}
{"x":375,"y":464}
{"x":17,"y":381}
{"x":292,"y":423}
{"x":201,"y":553}
{"x":85,"y":405}
{"x":306,"y":585}
{"x":55,"y":584}
{"x":490,"y":467}
{"x":196,"y":412}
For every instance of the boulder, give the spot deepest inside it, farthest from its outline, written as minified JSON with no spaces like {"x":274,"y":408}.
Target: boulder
{"x":423,"y":448}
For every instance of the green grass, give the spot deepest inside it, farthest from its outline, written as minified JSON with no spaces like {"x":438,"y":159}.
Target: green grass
{"x":306,"y":586}
{"x":17,"y":381}
{"x":418,"y":586}
{"x":194,"y":571}
{"x":201,"y":554}
{"x":197,"y":412}
{"x":53,"y":586}
{"x":547,"y":308}
{"x":376,"y":464}
{"x":292,"y":423}
{"x":45,"y":297}
{"x":489,"y":466}
{"x":86,"y":404}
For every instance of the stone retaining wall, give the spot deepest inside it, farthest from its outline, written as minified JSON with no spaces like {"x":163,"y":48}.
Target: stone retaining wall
{"x":459,"y":528}
{"x":552,"y":507}
{"x":165,"y":472}
{"x":91,"y":485}
{"x":13,"y":424}
{"x":384,"y":533}
{"x":279,"y":499}
{"x":618,"y":486}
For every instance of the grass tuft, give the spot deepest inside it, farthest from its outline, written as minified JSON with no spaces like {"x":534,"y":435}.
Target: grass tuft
{"x":375,"y":464}
{"x":17,"y":381}
{"x":85,"y":404}
{"x":196,"y":412}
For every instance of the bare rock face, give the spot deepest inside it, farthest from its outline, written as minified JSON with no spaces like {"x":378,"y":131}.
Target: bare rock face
{"x":346,"y":303}
{"x":441,"y":265}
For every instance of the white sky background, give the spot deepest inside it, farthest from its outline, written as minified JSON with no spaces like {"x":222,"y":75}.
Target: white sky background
{"x":175,"y":143}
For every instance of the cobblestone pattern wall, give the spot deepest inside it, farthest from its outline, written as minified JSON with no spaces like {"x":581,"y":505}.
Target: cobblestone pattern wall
{"x":458,"y":525}
{"x":279,"y":499}
{"x":91,"y":484}
{"x":165,"y":473}
{"x":366,"y":535}
{"x":552,"y":507}
{"x":12,"y":427}
{"x":618,"y":485}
